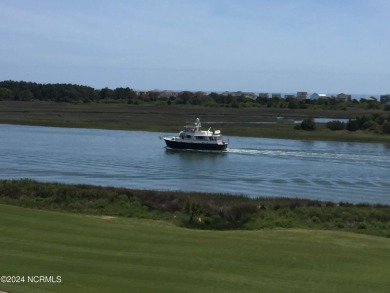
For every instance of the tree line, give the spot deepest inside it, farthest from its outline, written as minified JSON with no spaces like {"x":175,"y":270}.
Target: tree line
{"x":73,"y":93}
{"x":69,"y":93}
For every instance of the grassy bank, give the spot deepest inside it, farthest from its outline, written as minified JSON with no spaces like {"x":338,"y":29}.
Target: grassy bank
{"x":163,"y":118}
{"x":199,"y":210}
{"x":101,"y":254}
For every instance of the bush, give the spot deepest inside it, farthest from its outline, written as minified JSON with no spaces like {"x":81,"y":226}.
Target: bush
{"x":315,"y":220}
{"x":361,"y":120}
{"x":362,"y":226}
{"x":378,"y":119}
{"x":335,"y":125}
{"x":308,"y":124}
{"x":370,"y":124}
{"x":352,"y":125}
{"x":239,"y":212}
{"x":386,"y":127}
{"x":339,"y":223}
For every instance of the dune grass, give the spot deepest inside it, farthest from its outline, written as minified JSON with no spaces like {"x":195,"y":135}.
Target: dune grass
{"x":99,"y":254}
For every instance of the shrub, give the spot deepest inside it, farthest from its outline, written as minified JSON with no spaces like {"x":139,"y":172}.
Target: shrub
{"x":352,"y":125}
{"x":100,"y":204}
{"x":308,"y":124}
{"x":315,"y":220}
{"x":370,"y":124}
{"x":239,"y":212}
{"x":293,"y":104}
{"x":362,"y":226}
{"x":386,"y":127}
{"x":335,"y":125}
{"x":378,"y":118}
{"x":339,"y":223}
{"x":194,"y":210}
{"x":361,"y":120}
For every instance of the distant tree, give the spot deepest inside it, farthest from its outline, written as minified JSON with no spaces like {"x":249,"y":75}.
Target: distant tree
{"x":214,"y":95}
{"x":262,"y":100}
{"x":202,"y":100}
{"x":234,"y":104}
{"x":6,"y":94}
{"x":184,"y":97}
{"x":26,"y":95}
{"x":106,"y":93}
{"x":153,"y":96}
{"x":25,"y":91}
{"x":293,"y":104}
{"x":373,"y":104}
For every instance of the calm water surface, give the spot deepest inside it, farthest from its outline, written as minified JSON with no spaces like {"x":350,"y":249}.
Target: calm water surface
{"x":335,"y":171}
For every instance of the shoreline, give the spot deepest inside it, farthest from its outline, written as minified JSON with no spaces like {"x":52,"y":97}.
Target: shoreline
{"x":197,"y":210}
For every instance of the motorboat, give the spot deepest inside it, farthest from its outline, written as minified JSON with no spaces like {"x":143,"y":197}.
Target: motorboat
{"x":192,"y":137}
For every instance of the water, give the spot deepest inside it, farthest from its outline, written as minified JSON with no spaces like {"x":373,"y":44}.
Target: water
{"x":334,"y":171}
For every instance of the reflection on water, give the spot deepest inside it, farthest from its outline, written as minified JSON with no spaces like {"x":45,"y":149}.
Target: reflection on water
{"x":334,"y":171}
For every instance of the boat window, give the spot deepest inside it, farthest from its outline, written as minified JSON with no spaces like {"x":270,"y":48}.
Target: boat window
{"x":200,"y":137}
{"x":188,"y":136}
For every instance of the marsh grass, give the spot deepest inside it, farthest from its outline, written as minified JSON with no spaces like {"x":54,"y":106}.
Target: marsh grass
{"x":198,"y":210}
{"x":164,"y":118}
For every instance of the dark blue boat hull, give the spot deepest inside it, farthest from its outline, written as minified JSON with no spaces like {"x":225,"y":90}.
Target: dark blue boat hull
{"x":195,"y":146}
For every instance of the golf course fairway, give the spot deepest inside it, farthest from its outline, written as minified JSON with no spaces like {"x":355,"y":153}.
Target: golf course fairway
{"x":64,"y":252}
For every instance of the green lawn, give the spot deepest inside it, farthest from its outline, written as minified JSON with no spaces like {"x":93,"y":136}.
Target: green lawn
{"x":94,"y":254}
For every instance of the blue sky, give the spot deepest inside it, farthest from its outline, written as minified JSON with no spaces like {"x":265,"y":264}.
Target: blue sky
{"x":213,"y":45}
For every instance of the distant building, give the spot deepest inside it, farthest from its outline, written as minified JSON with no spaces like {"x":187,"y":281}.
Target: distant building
{"x":239,"y":94}
{"x":200,"y":93}
{"x":276,"y":96}
{"x":385,"y":99}
{"x":288,"y":96}
{"x":263,"y":95}
{"x":249,"y":95}
{"x":301,"y":96}
{"x":167,"y":94}
{"x":343,"y":97}
{"x":232,"y":94}
{"x":316,"y":96}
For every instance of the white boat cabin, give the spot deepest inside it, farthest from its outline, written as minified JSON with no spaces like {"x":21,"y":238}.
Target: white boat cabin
{"x":194,"y":132}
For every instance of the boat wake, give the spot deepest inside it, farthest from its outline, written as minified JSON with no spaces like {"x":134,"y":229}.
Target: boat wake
{"x":313,"y":155}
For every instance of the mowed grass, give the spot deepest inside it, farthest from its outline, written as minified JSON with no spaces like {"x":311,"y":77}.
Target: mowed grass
{"x":96,"y":254}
